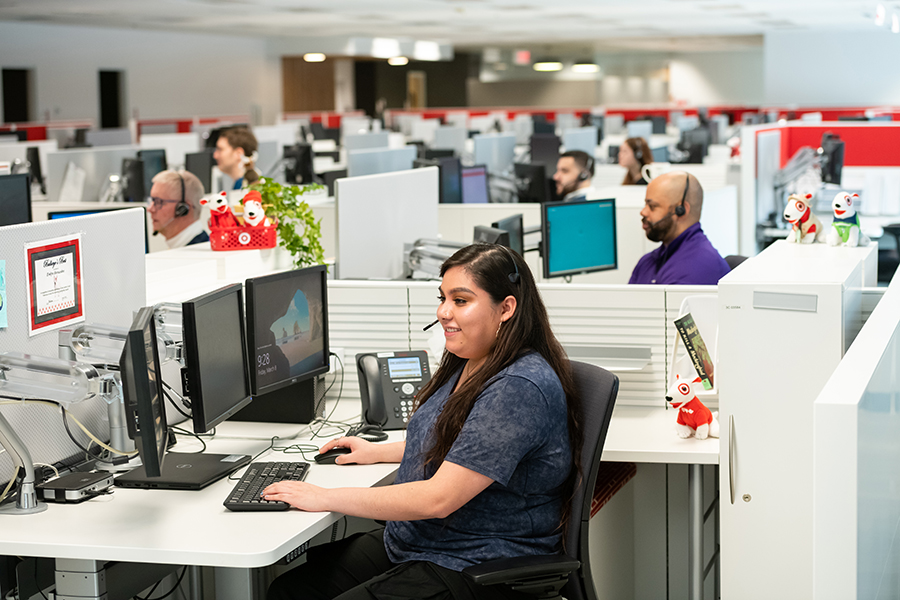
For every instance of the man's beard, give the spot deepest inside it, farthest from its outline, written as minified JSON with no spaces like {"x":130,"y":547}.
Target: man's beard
{"x":658,"y":230}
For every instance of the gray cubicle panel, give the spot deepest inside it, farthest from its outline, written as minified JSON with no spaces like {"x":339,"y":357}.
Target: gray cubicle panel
{"x":580,"y":138}
{"x":114,"y":287}
{"x":451,"y":138}
{"x":176,"y":145}
{"x":18,"y":150}
{"x":496,"y":151}
{"x":362,"y":141}
{"x":98,"y":164}
{"x":377,"y":214}
{"x":109,"y":137}
{"x":380,"y":160}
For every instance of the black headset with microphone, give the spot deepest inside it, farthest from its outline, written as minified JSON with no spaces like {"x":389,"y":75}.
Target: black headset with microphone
{"x":513,"y":277}
{"x":586,"y":171}
{"x":182,"y":208}
{"x":679,"y":210}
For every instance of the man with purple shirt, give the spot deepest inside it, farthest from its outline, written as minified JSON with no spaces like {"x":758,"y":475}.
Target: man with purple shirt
{"x":671,"y":215}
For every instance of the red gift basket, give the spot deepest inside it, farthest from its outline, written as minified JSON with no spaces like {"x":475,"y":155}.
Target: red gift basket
{"x":243,"y":238}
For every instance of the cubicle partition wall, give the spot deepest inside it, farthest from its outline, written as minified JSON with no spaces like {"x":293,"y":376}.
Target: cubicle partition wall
{"x":98,"y":164}
{"x":176,"y":145}
{"x":114,"y":287}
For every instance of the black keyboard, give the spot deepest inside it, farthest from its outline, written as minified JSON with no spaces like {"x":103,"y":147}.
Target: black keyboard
{"x":258,"y":476}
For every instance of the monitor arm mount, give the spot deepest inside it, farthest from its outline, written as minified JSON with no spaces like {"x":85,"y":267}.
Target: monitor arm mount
{"x":26,"y":376}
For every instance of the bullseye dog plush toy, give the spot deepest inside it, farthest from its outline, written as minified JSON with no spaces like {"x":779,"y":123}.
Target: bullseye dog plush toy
{"x":254,"y":215}
{"x":845,"y":227}
{"x":807,"y":228}
{"x":220,"y":214}
{"x":693,"y":416}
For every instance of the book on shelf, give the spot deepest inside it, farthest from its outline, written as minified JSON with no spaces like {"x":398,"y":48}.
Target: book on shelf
{"x":696,"y":349}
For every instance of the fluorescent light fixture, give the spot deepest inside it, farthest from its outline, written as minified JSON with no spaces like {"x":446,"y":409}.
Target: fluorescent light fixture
{"x":585,"y":66}
{"x":547,"y":65}
{"x":895,"y":23}
{"x":423,"y":50}
{"x":385,"y":47}
{"x":398,"y":61}
{"x":314,"y":57}
{"x":880,"y":14}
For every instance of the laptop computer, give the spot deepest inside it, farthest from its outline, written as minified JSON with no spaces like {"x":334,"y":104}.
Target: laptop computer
{"x":184,"y":471}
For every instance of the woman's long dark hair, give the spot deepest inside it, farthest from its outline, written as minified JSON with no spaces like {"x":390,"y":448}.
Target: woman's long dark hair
{"x":490,"y":267}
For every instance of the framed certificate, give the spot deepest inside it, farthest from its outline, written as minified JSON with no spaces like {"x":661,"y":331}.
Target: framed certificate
{"x":55,"y":283}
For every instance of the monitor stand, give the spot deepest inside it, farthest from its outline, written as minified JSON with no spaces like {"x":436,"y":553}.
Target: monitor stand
{"x":292,"y":404}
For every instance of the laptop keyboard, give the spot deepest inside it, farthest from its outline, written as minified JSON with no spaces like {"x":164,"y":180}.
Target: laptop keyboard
{"x":245,"y":495}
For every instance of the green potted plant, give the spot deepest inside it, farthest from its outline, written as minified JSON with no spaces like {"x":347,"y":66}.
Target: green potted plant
{"x":298,"y":230}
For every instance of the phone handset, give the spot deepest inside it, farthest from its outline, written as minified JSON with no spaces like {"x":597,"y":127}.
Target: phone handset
{"x":388,"y":384}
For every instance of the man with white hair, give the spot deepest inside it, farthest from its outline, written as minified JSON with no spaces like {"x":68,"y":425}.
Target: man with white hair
{"x":175,"y":208}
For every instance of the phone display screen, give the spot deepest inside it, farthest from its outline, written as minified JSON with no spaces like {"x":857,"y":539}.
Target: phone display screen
{"x":407,"y":366}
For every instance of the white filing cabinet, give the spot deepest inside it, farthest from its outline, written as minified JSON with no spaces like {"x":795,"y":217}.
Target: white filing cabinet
{"x":786,"y":318}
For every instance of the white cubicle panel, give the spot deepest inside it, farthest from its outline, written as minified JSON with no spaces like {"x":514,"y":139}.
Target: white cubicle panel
{"x":176,"y":146}
{"x":580,"y":138}
{"x":496,"y":151}
{"x":285,"y":134}
{"x":380,"y":160}
{"x":112,"y":248}
{"x":98,"y":165}
{"x":620,"y":328}
{"x":451,"y":138}
{"x":377,"y":215}
{"x":423,"y":130}
{"x":719,"y":219}
{"x":18,"y":150}
{"x":786,"y":318}
{"x":362,"y":141}
{"x":857,"y":465}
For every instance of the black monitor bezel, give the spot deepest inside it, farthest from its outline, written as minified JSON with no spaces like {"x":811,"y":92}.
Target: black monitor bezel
{"x":201,"y":421}
{"x":545,"y":239}
{"x":135,"y":385}
{"x":251,"y":285}
{"x":487,"y":185}
{"x":27,"y":178}
{"x":498,"y":234}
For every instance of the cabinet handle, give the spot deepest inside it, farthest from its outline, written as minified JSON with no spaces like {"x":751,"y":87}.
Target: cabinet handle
{"x":731,"y":456}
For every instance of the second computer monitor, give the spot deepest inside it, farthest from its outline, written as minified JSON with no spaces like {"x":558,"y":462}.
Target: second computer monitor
{"x":490,"y":235}
{"x":201,"y":164}
{"x":475,"y":185}
{"x":15,"y":199}
{"x":154,"y":162}
{"x":578,"y":237}
{"x":216,"y":356}
{"x":513,"y":226}
{"x":287,"y":322}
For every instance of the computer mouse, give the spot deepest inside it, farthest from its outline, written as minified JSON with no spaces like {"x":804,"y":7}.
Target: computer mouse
{"x":368,"y":432}
{"x":328,"y":457}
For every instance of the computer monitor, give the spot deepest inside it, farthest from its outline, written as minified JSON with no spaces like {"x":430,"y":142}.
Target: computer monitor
{"x":614,"y":153}
{"x":33,"y":154}
{"x":832,"y":158}
{"x":201,"y":164}
{"x":532,"y":183}
{"x":216,"y":356}
{"x":513,"y":226}
{"x":287,"y":328}
{"x":318,"y":131}
{"x":695,"y":143}
{"x":329,"y":177}
{"x":298,"y":165}
{"x":154,"y":162}
{"x":475,"y":185}
{"x":15,"y":199}
{"x":545,"y":151}
{"x":143,"y":393}
{"x":490,"y":235}
{"x":496,"y":151}
{"x":450,"y":178}
{"x":438,"y":153}
{"x":578,"y":237}
{"x":659,"y":125}
{"x":542,"y":127}
{"x":133,"y":180}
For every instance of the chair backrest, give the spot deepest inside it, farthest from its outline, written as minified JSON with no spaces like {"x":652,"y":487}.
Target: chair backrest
{"x":734,"y":260}
{"x":597,"y":388}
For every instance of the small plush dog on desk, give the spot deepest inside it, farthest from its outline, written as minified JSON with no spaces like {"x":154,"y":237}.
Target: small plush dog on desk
{"x":806,"y":227}
{"x":220,"y":214}
{"x":693,"y":416}
{"x":254,"y":215}
{"x":845,"y":227}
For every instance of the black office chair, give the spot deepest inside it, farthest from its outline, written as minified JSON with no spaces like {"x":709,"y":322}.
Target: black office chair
{"x":545,"y":576}
{"x":734,"y":260}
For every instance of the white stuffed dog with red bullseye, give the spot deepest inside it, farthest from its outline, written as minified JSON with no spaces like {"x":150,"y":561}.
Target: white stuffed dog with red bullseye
{"x":694,"y":419}
{"x":845,"y":229}
{"x":806,"y":227}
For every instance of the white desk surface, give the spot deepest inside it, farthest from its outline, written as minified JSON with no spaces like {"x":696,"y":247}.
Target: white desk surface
{"x":647,"y":435}
{"x":181,"y":527}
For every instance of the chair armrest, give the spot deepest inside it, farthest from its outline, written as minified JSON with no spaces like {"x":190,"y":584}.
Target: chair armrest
{"x":517,"y":568}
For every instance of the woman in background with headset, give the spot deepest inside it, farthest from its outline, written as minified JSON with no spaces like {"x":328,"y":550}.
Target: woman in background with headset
{"x":633,"y":155}
{"x":490,"y":459}
{"x":236,"y":156}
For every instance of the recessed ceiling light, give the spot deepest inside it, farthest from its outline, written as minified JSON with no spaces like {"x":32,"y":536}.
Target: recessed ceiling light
{"x":314,"y":57}
{"x":398,"y":61}
{"x":547,"y":65}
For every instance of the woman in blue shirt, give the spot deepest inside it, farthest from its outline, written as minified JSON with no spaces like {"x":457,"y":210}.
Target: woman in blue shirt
{"x":490,"y":458}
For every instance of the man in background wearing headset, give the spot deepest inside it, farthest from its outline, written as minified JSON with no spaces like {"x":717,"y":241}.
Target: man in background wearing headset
{"x":175,"y":208}
{"x":573,"y":176}
{"x":671,"y":215}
